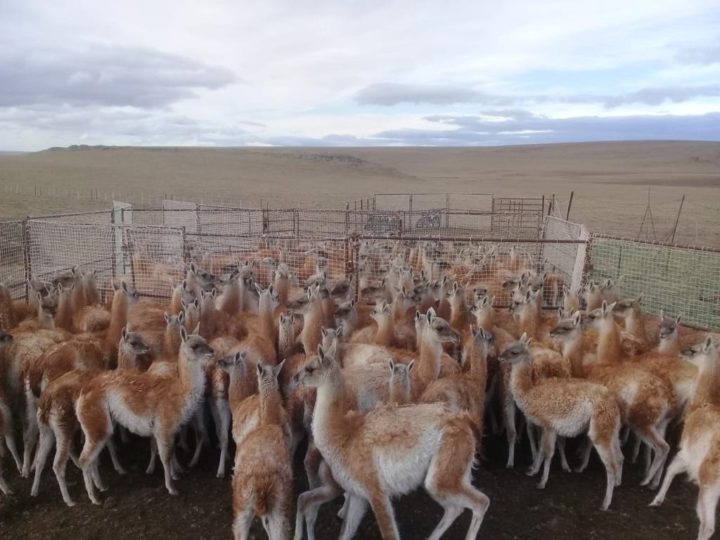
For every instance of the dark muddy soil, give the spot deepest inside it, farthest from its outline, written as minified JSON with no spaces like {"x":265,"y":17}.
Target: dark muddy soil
{"x":138,"y":507}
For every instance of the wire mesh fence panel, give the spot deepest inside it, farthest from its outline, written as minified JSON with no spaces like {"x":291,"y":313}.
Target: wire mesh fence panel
{"x":230,"y":221}
{"x":680,"y":281}
{"x":55,"y":247}
{"x":517,"y":217}
{"x":480,"y":202}
{"x":180,"y":214}
{"x":12,"y":257}
{"x":155,"y":258}
{"x":100,"y":217}
{"x":567,"y":259}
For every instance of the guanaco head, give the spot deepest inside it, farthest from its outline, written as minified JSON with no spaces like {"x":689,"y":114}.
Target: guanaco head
{"x":440,"y":327}
{"x":486,"y":340}
{"x":132,"y":344}
{"x":345,"y":310}
{"x":316,"y":370}
{"x":191,"y":310}
{"x":482,"y":306}
{"x":668,"y":326}
{"x":603,"y":313}
{"x":268,"y":375}
{"x":479,"y":293}
{"x":268,"y":299}
{"x":232,"y":361}
{"x":129,"y":292}
{"x":174,"y":322}
{"x":282,"y":271}
{"x":330,"y":338}
{"x":47,"y":304}
{"x":381,"y":312}
{"x":38,"y":286}
{"x":194,"y":348}
{"x":287,"y":323}
{"x":205,"y":279}
{"x":5,"y":339}
{"x":567,"y":327}
{"x":400,"y":379}
{"x":627,"y":306}
{"x":704,"y":355}
{"x":517,"y":352}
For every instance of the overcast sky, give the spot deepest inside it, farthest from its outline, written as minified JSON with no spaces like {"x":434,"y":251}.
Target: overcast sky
{"x":315,"y":72}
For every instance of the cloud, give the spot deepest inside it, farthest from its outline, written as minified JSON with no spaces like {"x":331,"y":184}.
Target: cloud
{"x":104,"y":75}
{"x":388,"y":94}
{"x":393,"y":94}
{"x":527,"y":128}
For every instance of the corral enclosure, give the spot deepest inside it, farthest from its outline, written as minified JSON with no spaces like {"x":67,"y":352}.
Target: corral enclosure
{"x":150,"y":246}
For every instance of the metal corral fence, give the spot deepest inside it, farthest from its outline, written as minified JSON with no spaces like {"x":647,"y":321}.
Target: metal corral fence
{"x":151,"y":246}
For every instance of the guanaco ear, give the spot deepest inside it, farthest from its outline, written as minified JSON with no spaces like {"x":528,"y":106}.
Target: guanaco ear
{"x":338,"y":331}
{"x":528,"y":296}
{"x":411,"y":365}
{"x":196,"y":303}
{"x":707,"y":344}
{"x":391,"y":364}
{"x":576,"y":318}
{"x":321,"y":354}
{"x":323,"y":332}
{"x":417,"y":316}
{"x":239,"y":358}
{"x":183,"y":334}
{"x":181,"y":317}
{"x":277,"y":369}
{"x":124,"y":333}
{"x":196,"y":330}
{"x":431,"y":314}
{"x":525,"y":339}
{"x":677,"y":319}
{"x":115,"y":286}
{"x":193,"y":268}
{"x":259,"y":368}
{"x":125,"y":287}
{"x":352,"y":303}
{"x":611,"y":307}
{"x":166,"y":317}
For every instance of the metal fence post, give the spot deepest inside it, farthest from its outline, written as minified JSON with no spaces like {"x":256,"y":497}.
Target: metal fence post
{"x":26,"y":257}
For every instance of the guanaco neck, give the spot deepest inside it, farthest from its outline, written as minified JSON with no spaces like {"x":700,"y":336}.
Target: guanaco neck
{"x":521,"y":381}
{"x":399,"y":390}
{"x":529,"y":319}
{"x":229,"y":300}
{"x":458,"y":311}
{"x":176,"y":300}
{"x":385,"y":331}
{"x":608,"y":349}
{"x":707,"y":385}
{"x":172,"y":341}
{"x":191,"y":375}
{"x":208,"y":318}
{"x":64,"y":314}
{"x":286,"y":339}
{"x":330,"y":407}
{"x":270,"y":405}
{"x":311,"y":327}
{"x":282,"y":287}
{"x":239,"y":386}
{"x":476,"y":359}
{"x":428,"y":368}
{"x":126,"y":360}
{"x":670,"y":345}
{"x":77,"y":299}
{"x":572,"y":351}
{"x":265,"y":316}
{"x":118,"y":318}
{"x":485,"y":318}
{"x":635,"y":325}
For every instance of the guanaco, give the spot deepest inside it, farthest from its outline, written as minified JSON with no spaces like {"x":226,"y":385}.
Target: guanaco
{"x":699,"y":455}
{"x":390,"y":451}
{"x":263,"y":480}
{"x":144,"y":403}
{"x":566,"y":407}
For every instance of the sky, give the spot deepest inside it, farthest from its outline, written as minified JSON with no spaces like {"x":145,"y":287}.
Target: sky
{"x":357,"y":73}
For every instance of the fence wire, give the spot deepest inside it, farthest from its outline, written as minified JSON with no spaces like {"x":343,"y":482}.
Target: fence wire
{"x":679,"y":280}
{"x":12,"y":257}
{"x":151,"y":247}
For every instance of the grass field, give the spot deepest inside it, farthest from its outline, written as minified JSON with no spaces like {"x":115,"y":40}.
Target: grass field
{"x":611,"y":180}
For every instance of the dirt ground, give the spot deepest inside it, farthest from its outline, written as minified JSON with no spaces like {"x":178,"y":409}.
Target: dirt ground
{"x":138,"y":507}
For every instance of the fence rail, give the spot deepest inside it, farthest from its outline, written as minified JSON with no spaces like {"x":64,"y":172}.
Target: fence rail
{"x":151,"y":246}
